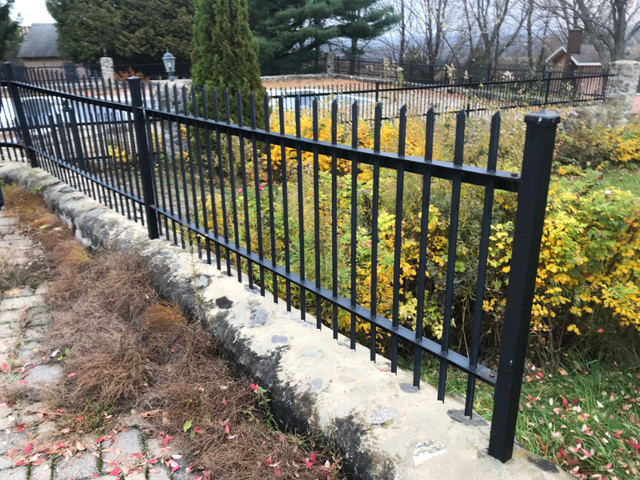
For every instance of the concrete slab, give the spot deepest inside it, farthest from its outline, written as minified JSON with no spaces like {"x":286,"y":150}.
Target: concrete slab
{"x":79,"y":468}
{"x":17,"y":473}
{"x":44,"y":374}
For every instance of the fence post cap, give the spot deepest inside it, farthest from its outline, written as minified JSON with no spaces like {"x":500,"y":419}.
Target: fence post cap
{"x":543,"y":117}
{"x":133,"y":78}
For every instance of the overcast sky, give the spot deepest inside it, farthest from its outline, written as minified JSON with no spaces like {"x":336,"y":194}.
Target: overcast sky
{"x":31,"y":11}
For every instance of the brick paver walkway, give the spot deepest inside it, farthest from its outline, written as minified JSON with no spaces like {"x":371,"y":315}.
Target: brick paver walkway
{"x":24,"y":319}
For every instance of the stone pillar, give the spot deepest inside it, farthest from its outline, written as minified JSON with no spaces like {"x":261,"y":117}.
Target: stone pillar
{"x":170,"y":103}
{"x":106,"y":68}
{"x":331,"y":63}
{"x":622,"y":89}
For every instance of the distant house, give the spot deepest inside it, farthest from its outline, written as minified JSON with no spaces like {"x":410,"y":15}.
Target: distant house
{"x":576,"y":57}
{"x":40,"y":46}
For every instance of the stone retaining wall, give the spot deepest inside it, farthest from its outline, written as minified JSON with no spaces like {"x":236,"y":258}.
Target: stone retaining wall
{"x":384,"y":427}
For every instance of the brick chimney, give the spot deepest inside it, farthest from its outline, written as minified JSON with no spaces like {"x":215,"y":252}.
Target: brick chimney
{"x":575,"y":41}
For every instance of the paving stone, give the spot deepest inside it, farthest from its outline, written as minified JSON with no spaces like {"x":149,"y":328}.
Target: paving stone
{"x":316,"y":383}
{"x":29,"y":352}
{"x":78,"y":468}
{"x":10,"y":316}
{"x":18,"y":473}
{"x":8,"y":330}
{"x":44,"y":374}
{"x":120,"y":451}
{"x":160,"y":472}
{"x":21,"y":302}
{"x":35,"y":334}
{"x":5,"y":463}
{"x":41,"y":472}
{"x":41,"y":319}
{"x":12,"y":440}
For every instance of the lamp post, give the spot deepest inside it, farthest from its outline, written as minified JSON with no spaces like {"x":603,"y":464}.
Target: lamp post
{"x":169,"y":64}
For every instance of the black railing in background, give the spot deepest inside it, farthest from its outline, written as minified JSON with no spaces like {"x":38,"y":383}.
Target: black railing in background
{"x":140,"y":151}
{"x":476,"y":98}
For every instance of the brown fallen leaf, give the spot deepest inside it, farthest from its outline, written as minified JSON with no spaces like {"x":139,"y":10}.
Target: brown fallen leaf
{"x":15,"y":291}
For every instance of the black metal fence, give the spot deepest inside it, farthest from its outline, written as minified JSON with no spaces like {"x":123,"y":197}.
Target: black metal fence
{"x":288,"y":213}
{"x":476,"y":98}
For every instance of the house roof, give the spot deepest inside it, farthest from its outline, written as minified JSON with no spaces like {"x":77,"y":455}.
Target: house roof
{"x":40,"y":42}
{"x":588,"y":57}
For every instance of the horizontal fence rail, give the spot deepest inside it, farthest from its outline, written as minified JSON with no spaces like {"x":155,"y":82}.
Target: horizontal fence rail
{"x":307,"y":208}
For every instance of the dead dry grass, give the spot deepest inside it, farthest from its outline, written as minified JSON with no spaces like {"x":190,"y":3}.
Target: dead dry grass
{"x":124,"y":348}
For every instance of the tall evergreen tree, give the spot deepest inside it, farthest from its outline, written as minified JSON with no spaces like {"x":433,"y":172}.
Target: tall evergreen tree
{"x":9,"y":32}
{"x":225,"y":54}
{"x":361,"y":20}
{"x":132,"y":31}
{"x":291,"y":32}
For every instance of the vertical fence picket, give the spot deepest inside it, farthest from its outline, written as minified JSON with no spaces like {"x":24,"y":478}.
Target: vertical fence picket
{"x":245,"y":193}
{"x":270,"y":186}
{"x":374,"y":231}
{"x":257,"y":188}
{"x":354,"y":221}
{"x":485,"y":232}
{"x":422,"y":253}
{"x":334,"y":217}
{"x":451,"y":254}
{"x":299,"y":180}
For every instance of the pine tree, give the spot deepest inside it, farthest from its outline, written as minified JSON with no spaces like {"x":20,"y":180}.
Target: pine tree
{"x":363,"y":20}
{"x":225,"y":55}
{"x":291,"y":32}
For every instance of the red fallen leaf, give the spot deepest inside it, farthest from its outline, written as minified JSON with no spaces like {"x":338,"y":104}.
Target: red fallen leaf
{"x":71,"y":375}
{"x":174,"y":466}
{"x":309,"y":464}
{"x":100,"y":440}
{"x":80,"y":446}
{"x":152,"y":460}
{"x":564,"y":402}
{"x":60,"y":445}
{"x":197,"y":477}
{"x":115,"y":472}
{"x":166,"y":439}
{"x":154,"y":470}
{"x":254,"y":387}
{"x":312,"y":457}
{"x":226,"y":428}
{"x":22,"y":380}
{"x":59,"y":410}
{"x":138,"y":455}
{"x":574,"y":401}
{"x":188,"y":469}
{"x":5,"y":367}
{"x":540,"y":374}
{"x":27,"y":449}
{"x":19,"y":463}
{"x":20,"y":428}
{"x":562,"y":452}
{"x":173,"y":349}
{"x":65,"y":430}
{"x":111,"y":299}
{"x":38,"y":461}
{"x":268,"y":462}
{"x":600,"y":330}
{"x":95,"y":475}
{"x":277,"y":472}
{"x":617,"y":434}
{"x":224,"y":401}
{"x":79,"y":418}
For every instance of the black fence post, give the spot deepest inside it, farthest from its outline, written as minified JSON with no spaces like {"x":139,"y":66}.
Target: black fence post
{"x":146,"y":167}
{"x":20,"y":115}
{"x":532,"y":202}
{"x":377,"y":91}
{"x":547,"y":88}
